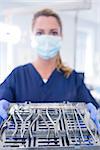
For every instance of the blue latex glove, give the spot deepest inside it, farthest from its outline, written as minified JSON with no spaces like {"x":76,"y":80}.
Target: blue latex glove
{"x":93,"y":114}
{"x":4,"y":105}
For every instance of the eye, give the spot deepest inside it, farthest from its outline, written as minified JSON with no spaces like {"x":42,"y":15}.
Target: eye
{"x":39,"y":33}
{"x":54,"y":33}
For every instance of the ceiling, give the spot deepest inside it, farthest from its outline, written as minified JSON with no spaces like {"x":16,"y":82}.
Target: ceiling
{"x":24,"y":5}
{"x":28,"y":6}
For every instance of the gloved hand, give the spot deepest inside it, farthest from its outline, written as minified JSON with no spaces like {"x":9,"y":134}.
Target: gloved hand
{"x":4,"y":105}
{"x":93,"y":114}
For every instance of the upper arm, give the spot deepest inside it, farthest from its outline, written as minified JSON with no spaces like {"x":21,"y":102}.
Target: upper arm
{"x":7,"y":88}
{"x":83,"y":93}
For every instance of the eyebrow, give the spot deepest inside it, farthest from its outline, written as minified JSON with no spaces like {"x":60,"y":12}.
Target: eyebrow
{"x":53,"y":29}
{"x":50,"y":29}
{"x":40,"y":29}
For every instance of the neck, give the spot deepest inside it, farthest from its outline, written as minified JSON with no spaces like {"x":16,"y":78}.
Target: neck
{"x":45,"y":67}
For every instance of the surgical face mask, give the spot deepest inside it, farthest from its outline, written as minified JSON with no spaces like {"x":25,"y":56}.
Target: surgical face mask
{"x":47,"y":46}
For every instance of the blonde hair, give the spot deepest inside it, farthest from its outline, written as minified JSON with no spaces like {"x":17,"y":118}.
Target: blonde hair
{"x":48,"y":12}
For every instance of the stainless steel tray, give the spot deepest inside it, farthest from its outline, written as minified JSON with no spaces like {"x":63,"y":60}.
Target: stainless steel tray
{"x":49,"y":126}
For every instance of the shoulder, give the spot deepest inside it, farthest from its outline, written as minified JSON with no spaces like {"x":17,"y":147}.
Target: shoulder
{"x":77,"y":77}
{"x":19,"y":72}
{"x":21,"y":68}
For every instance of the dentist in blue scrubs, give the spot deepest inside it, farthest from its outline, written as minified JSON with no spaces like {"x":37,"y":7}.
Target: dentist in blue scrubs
{"x":46,"y":79}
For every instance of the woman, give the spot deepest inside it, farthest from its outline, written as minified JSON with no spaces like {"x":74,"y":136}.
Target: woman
{"x":46,"y":79}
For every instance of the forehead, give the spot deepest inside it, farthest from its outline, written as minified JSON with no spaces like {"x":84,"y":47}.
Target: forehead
{"x":46,"y":22}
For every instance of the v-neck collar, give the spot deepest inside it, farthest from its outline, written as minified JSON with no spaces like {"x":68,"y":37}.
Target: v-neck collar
{"x":39,"y":78}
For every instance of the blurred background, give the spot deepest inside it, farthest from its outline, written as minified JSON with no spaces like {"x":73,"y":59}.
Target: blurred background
{"x":81,"y":36}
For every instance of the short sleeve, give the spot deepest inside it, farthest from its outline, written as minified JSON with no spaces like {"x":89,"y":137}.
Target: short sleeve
{"x":7,"y":88}
{"x":83,"y":93}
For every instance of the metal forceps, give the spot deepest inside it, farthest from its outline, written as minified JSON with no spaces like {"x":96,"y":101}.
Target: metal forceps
{"x":4,"y":125}
{"x":25,"y":121}
{"x":15,"y":111}
{"x":37,"y":115}
{"x":57,"y":121}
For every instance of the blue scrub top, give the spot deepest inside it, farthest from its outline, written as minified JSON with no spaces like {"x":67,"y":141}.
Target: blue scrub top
{"x":25,"y":84}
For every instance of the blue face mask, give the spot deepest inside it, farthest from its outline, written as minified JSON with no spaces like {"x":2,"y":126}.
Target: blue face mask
{"x":47,"y":46}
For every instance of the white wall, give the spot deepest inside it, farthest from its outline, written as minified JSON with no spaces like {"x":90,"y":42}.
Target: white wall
{"x":69,"y":39}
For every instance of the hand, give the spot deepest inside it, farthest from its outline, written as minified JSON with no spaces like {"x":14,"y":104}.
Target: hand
{"x":93,"y":114}
{"x":4,"y":105}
